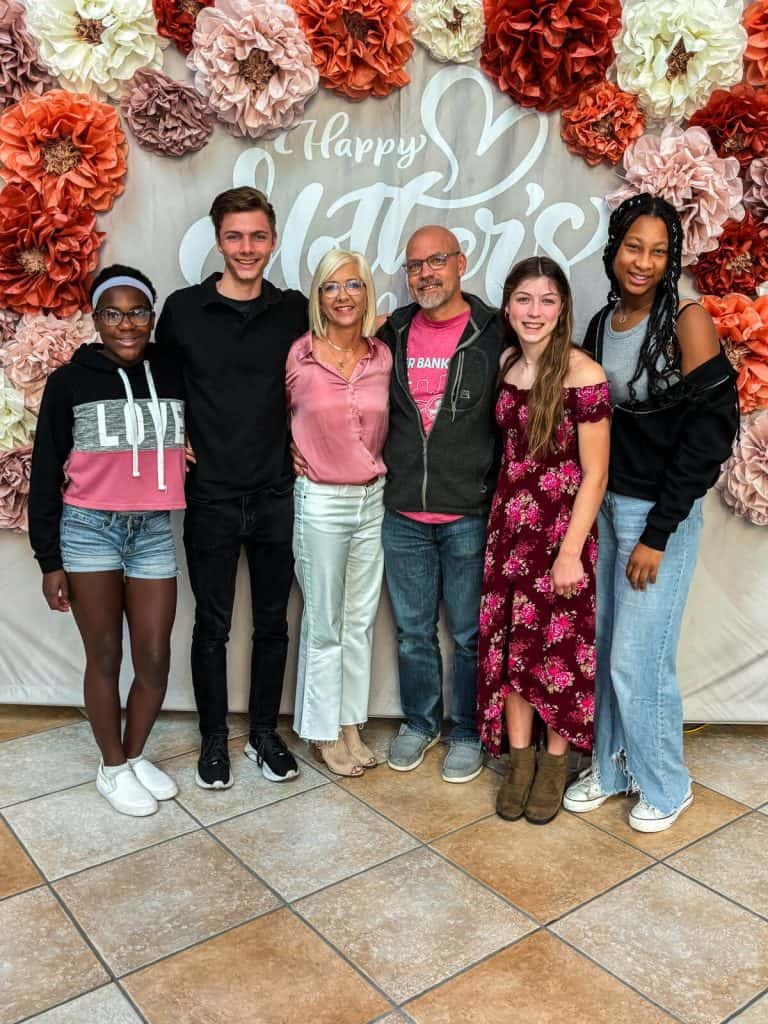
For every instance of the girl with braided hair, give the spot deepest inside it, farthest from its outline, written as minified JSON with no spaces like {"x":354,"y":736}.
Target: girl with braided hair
{"x":674,"y":419}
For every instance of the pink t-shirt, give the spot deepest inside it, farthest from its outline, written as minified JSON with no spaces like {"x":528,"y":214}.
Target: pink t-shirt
{"x":431,"y":343}
{"x":339,"y":425}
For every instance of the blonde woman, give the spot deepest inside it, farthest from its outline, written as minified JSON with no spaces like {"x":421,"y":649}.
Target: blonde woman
{"x":337,"y":382}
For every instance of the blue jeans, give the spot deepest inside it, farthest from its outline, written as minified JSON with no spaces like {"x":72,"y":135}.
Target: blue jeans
{"x":638,"y":709}
{"x":422,"y":563}
{"x":139,"y":543}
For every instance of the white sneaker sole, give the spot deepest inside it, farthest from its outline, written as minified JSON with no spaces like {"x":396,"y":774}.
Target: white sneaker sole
{"x":583,"y":806}
{"x":417,"y":762}
{"x":463,"y":778}
{"x":660,"y":824}
{"x":266,"y":771}
{"x":132,"y":810}
{"x":213,"y":785}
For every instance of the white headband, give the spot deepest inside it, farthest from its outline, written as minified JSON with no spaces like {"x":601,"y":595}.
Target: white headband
{"x":116,"y":282}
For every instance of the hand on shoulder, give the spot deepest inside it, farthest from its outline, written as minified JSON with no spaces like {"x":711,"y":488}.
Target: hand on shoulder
{"x":583,"y":371}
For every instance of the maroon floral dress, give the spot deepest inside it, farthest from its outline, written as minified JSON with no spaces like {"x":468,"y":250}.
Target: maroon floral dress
{"x":532,"y":640}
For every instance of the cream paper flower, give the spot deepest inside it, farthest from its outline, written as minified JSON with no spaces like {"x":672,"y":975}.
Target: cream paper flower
{"x":449,"y":30}
{"x":17,"y":425}
{"x":673,"y":53}
{"x":95,"y":46}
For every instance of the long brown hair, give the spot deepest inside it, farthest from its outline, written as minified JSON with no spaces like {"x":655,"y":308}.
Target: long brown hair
{"x":545,"y":399}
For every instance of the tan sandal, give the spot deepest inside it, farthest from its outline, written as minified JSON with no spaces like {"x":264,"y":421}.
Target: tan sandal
{"x":336,"y":758}
{"x":358,"y":751}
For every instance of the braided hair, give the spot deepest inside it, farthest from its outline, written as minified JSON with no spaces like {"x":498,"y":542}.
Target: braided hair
{"x":659,"y":355}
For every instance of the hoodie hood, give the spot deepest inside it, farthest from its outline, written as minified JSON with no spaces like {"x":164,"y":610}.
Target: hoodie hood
{"x":92,"y":356}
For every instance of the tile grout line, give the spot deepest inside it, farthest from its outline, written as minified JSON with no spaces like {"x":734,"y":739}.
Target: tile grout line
{"x":746,"y":1006}
{"x":66,"y":1002}
{"x":763,"y":918}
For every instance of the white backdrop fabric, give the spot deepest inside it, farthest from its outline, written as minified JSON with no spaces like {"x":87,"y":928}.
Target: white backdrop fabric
{"x":448,"y":149}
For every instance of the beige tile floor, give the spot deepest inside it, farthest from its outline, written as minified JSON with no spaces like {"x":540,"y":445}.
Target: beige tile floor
{"x":389,"y":899}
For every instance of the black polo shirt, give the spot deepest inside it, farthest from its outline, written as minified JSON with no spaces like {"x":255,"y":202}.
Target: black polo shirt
{"x":233,"y":360}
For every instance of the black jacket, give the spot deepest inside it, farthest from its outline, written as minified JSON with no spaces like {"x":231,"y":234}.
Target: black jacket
{"x":670,"y":452}
{"x":234,"y":373}
{"x":453,"y":468}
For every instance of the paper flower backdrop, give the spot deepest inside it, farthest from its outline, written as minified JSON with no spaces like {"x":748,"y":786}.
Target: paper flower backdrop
{"x":166,"y":117}
{"x":20,"y":69}
{"x":176,"y":20}
{"x":756,"y":53}
{"x":450,"y":30}
{"x":602,"y":123}
{"x":743,"y":484}
{"x":16,"y":422}
{"x":39,"y":346}
{"x":742,"y":324}
{"x":15,"y":466}
{"x":737,"y":122}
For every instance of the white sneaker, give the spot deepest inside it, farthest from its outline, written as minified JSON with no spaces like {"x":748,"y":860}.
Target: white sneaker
{"x":153,"y":779}
{"x":124,"y":791}
{"x":585,"y":794}
{"x":644,"y":818}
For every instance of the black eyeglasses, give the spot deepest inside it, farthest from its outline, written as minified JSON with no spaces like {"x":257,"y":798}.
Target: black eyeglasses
{"x":332,"y":288}
{"x":435,"y":262}
{"x":139,"y":317}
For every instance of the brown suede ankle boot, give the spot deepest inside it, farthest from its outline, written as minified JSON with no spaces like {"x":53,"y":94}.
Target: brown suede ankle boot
{"x":548,"y":787}
{"x":510,"y":800}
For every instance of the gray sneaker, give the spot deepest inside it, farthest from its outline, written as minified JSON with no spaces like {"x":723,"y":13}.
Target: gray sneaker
{"x":408,"y":749}
{"x":463,"y":762}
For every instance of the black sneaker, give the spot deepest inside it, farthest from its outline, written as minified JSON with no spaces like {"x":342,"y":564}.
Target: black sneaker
{"x":276,"y":761}
{"x":213,"y":764}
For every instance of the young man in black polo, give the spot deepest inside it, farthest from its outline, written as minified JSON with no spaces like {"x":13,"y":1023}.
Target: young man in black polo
{"x":232,"y":334}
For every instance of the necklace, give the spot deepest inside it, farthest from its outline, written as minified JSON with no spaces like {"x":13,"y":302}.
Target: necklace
{"x":346,"y":349}
{"x":622,"y":317}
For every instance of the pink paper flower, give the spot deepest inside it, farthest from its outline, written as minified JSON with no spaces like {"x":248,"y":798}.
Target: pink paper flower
{"x":683,"y":167}
{"x":15,"y":466}
{"x":756,"y":188}
{"x":40,"y":345}
{"x":166,"y":117}
{"x":743,"y":484}
{"x":8,"y":321}
{"x":20,"y":68}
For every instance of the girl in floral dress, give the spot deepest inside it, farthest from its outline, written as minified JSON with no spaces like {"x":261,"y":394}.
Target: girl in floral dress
{"x":537,"y":615}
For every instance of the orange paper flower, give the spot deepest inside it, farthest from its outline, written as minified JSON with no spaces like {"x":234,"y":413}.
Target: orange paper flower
{"x":67,"y":146}
{"x":46,"y":253}
{"x":742,"y":324}
{"x":756,"y":54}
{"x":602,"y":123}
{"x":359,"y":47}
{"x":737,"y":122}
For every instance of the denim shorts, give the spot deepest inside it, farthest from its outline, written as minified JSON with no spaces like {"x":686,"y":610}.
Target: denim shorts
{"x":139,"y":543}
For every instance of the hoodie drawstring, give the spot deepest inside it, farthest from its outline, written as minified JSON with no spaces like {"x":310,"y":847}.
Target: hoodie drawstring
{"x":157,"y":420}
{"x":456,"y":385}
{"x":134,"y":438}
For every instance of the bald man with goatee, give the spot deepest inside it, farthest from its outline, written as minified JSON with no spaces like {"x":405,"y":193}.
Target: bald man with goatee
{"x":442,"y":458}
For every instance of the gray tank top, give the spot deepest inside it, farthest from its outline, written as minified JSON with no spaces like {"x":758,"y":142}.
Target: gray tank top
{"x":620,"y":352}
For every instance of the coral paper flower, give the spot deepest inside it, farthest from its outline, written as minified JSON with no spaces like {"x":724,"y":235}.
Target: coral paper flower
{"x":15,"y":466}
{"x":46,"y":253}
{"x":739,"y":264}
{"x":737,"y":122}
{"x":254,"y":65}
{"x":756,"y":53}
{"x":742,"y":324}
{"x":601,"y":124}
{"x":95,"y":46}
{"x":20,"y":68}
{"x":40,"y":345}
{"x":176,"y":20}
{"x":756,"y":188}
{"x":17,"y":424}
{"x":743,"y":484}
{"x":449,"y":30}
{"x":544,"y":54}
{"x":360,"y":47}
{"x":165,"y":116}
{"x":673,"y":53}
{"x":69,"y":147}
{"x":683,"y":168}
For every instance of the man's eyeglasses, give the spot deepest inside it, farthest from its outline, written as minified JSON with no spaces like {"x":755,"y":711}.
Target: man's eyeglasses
{"x":435,"y":262}
{"x":139,"y":317}
{"x":333,"y":288}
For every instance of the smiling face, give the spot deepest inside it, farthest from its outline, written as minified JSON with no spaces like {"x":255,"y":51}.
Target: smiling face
{"x":124,"y":342}
{"x":246,"y":241}
{"x":345,"y":305}
{"x":533,"y":310}
{"x":641,"y":259}
{"x":436,"y":289}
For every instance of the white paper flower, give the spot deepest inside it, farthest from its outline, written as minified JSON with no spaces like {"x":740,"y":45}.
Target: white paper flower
{"x":450,"y":30}
{"x":95,"y":46}
{"x":17,"y":425}
{"x":673,"y":53}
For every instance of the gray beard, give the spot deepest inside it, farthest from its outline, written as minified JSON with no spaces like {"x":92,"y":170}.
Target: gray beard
{"x":431,"y":301}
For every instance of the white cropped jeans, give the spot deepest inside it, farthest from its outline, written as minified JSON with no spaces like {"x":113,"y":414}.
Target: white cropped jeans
{"x":339,"y":566}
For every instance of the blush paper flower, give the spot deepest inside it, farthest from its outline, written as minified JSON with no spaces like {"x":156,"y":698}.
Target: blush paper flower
{"x":40,"y":345}
{"x":449,"y":30}
{"x":737,"y":122}
{"x":683,"y":168}
{"x":756,"y":188}
{"x":176,"y":20}
{"x":253,"y":64}
{"x":601,"y":124}
{"x":15,"y":467}
{"x":740,"y":262}
{"x":20,"y":68}
{"x":17,"y":424}
{"x":743,"y":483}
{"x":95,"y":46}
{"x":360,"y":47}
{"x":673,"y":53}
{"x":756,"y":53}
{"x":166,"y":117}
{"x":544,"y":54}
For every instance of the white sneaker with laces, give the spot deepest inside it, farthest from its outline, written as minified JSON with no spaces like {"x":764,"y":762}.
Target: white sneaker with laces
{"x":645,"y":818}
{"x":585,"y":794}
{"x":153,"y":779}
{"x":124,"y":791}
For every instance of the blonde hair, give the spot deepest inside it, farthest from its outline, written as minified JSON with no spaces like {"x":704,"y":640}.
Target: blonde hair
{"x":327,"y":267}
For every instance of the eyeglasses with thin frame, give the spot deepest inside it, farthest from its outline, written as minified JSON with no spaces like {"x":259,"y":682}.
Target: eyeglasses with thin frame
{"x":139,"y":317}
{"x":435,"y":262}
{"x":330,"y":289}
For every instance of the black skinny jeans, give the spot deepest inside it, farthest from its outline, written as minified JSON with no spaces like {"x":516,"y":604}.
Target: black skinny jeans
{"x":214,"y":533}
